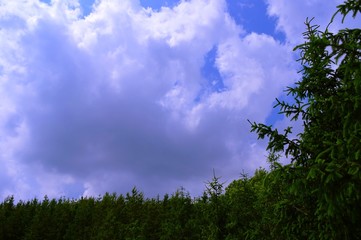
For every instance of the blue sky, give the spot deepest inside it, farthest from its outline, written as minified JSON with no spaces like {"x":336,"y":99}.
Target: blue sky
{"x":102,"y":96}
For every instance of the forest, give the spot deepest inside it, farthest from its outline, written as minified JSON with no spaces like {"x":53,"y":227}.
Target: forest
{"x":316,"y":196}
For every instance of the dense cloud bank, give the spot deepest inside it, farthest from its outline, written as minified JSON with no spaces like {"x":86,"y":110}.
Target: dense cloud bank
{"x":121,"y":97}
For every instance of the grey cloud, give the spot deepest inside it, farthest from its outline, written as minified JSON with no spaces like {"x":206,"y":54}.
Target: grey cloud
{"x":78,"y":130}
{"x":101,"y":113}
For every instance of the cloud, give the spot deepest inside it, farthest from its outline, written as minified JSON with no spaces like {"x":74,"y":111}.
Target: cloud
{"x":291,"y":16}
{"x":117,"y":98}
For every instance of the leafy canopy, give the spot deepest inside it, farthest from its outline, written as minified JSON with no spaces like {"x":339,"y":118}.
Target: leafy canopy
{"x":325,"y":168}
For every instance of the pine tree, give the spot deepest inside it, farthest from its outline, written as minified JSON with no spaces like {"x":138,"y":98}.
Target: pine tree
{"x":323,"y":194}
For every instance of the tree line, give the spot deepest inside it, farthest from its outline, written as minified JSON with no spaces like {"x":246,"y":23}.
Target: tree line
{"x":316,"y":196}
{"x":219,"y":213}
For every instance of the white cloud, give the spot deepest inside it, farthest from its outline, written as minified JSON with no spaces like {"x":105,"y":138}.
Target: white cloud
{"x":251,"y":67}
{"x":291,"y":16}
{"x":114,"y":99}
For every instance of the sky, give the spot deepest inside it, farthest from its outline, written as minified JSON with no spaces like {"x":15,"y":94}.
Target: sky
{"x":106,"y":95}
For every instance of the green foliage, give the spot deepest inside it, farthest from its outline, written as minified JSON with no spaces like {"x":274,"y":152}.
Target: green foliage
{"x":319,"y":194}
{"x":218,"y":214}
{"x":240,"y":199}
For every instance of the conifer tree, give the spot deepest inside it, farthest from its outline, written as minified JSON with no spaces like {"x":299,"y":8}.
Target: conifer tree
{"x":324,"y":178}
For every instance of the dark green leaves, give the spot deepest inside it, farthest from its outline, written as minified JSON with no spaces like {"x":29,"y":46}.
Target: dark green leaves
{"x":326,"y":156}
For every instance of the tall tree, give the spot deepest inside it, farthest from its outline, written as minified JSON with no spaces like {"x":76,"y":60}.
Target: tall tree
{"x":324,"y":177}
